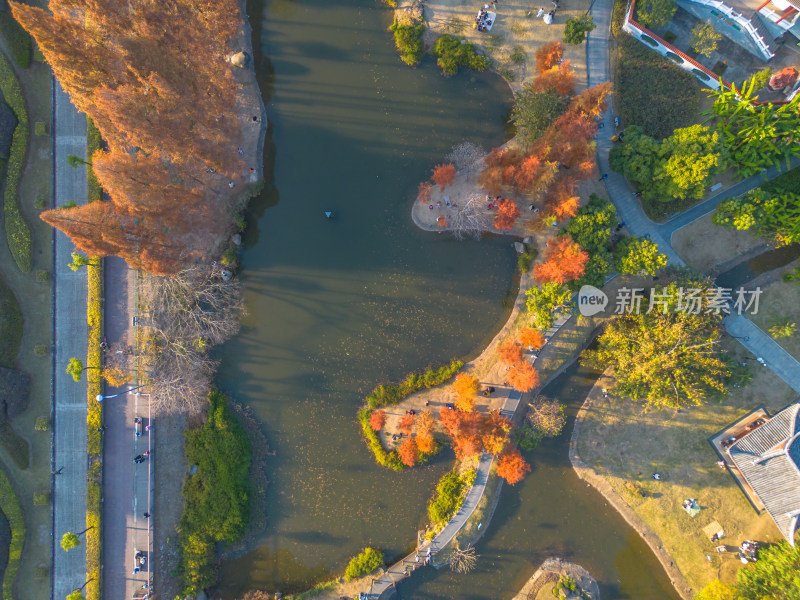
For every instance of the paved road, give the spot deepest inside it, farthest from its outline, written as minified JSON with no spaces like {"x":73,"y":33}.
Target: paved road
{"x":125,"y":484}
{"x":70,"y":334}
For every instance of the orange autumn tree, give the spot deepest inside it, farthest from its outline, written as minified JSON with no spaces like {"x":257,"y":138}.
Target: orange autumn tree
{"x":167,"y":111}
{"x":424,"y":191}
{"x":451,"y":420}
{"x":564,"y":261}
{"x":444,"y":175}
{"x":408,"y":452}
{"x":512,"y":467}
{"x":507,"y":214}
{"x":377,"y":419}
{"x":467,"y":440}
{"x":510,"y":351}
{"x":560,"y":78}
{"x":531,"y":338}
{"x":496,"y":432}
{"x":522,"y":376}
{"x":466,"y":386}
{"x":406,"y":424}
{"x":426,"y":424}
{"x":548,"y":55}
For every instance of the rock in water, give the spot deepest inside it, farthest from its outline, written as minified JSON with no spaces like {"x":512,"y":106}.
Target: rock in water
{"x":240,"y":59}
{"x":519,"y":247}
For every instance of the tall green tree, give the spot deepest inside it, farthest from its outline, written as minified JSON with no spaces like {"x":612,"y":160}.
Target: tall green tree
{"x":541,"y":301}
{"x":775,"y":576}
{"x":655,"y":13}
{"x":534,"y":112}
{"x":591,"y":228}
{"x":638,"y":256}
{"x":679,"y":367}
{"x":678,"y":167}
{"x":776,"y":218}
{"x":577,"y":28}
{"x":755,"y":136}
{"x":704,"y":38}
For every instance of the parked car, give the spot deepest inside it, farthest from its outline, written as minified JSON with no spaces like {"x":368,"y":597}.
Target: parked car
{"x":138,"y":426}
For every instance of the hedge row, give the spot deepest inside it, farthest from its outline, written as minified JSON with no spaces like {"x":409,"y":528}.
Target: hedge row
{"x":93,"y":143}
{"x":18,"y":232}
{"x":9,"y":503}
{"x":450,"y":493}
{"x":94,"y":420}
{"x":387,"y":395}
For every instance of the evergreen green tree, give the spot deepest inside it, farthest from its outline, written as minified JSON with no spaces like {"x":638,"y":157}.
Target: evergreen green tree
{"x":638,"y":256}
{"x":704,"y":38}
{"x":577,"y":28}
{"x":534,"y":112}
{"x":543,"y":300}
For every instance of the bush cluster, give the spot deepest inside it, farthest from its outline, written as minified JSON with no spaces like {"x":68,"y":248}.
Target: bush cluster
{"x":408,"y":39}
{"x":18,"y":232}
{"x":10,"y":326}
{"x":365,"y":562}
{"x":93,"y":144}
{"x":18,"y":40}
{"x":652,"y":92}
{"x":453,"y":53}
{"x":450,"y":493}
{"x":386,"y":395}
{"x":94,"y":419}
{"x":216,"y":499}
{"x":9,"y":504}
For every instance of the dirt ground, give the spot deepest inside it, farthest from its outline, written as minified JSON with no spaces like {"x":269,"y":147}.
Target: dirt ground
{"x":708,"y":247}
{"x":515,"y":35}
{"x":779,"y":303}
{"x":626,"y":446}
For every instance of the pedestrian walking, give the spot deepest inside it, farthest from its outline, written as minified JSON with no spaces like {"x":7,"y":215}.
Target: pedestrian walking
{"x":540,"y":13}
{"x":146,"y":515}
{"x":604,"y":176}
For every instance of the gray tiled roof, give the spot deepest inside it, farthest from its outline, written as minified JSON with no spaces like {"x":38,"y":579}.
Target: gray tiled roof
{"x":775,"y":479}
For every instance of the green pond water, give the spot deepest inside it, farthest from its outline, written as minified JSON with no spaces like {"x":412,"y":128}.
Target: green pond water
{"x":336,"y":307}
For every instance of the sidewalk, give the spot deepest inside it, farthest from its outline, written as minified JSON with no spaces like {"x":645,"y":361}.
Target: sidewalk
{"x":70,"y":333}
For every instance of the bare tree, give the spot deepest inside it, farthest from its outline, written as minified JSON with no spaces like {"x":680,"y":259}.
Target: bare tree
{"x":546,"y":416}
{"x":463,"y":561}
{"x":470,"y":219}
{"x":466,"y":157}
{"x":186,"y":315}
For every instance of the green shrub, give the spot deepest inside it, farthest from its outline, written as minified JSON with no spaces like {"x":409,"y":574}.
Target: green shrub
{"x":9,"y":504}
{"x":652,"y":92}
{"x":43,"y":276}
{"x":10,"y":326}
{"x":388,"y":394}
{"x":94,"y":142}
{"x":18,"y":232}
{"x":41,"y":572}
{"x":41,"y":350}
{"x":41,"y":498}
{"x":450,"y":493}
{"x":453,"y":53}
{"x":216,"y":499}
{"x":618,"y":17}
{"x":42,"y":424}
{"x":17,"y":39}
{"x":40,"y":203}
{"x":518,"y":56}
{"x":525,"y":259}
{"x":787,"y":183}
{"x":40,"y":128}
{"x":408,"y":39}
{"x":669,"y":36}
{"x":365,"y":562}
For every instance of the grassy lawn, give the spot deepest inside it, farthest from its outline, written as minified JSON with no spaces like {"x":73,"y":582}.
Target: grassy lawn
{"x":706,"y":247}
{"x":626,"y":446}
{"x":35,"y":299}
{"x":779,"y":303}
{"x":652,"y":92}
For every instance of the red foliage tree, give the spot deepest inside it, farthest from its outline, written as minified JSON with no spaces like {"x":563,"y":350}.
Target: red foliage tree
{"x":408,"y":452}
{"x":451,"y":420}
{"x":425,"y":427}
{"x":444,"y":175}
{"x":507,"y":214}
{"x":406,"y":424}
{"x":499,"y":171}
{"x":510,"y":351}
{"x":512,"y":467}
{"x":564,"y":261}
{"x":567,"y":207}
{"x":560,"y":78}
{"x":466,"y":385}
{"x":548,"y":55}
{"x":377,"y":419}
{"x":424,"y":191}
{"x":466,"y":446}
{"x":495,"y":433}
{"x":523,"y":377}
{"x":531,"y":338}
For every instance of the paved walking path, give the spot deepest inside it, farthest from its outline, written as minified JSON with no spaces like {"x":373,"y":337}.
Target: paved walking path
{"x":630,"y":210}
{"x":70,"y":335}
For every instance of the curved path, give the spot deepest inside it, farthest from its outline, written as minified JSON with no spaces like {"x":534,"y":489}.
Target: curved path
{"x":630,"y":210}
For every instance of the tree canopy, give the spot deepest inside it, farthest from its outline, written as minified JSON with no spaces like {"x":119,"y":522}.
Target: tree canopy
{"x":638,"y":256}
{"x":704,"y":38}
{"x":542,"y":300}
{"x":655,"y":13}
{"x":577,"y":28}
{"x":679,"y":367}
{"x":679,"y":167}
{"x":535,"y":111}
{"x":774,"y":217}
